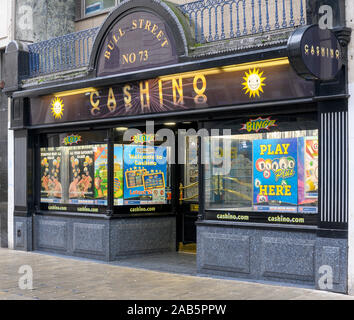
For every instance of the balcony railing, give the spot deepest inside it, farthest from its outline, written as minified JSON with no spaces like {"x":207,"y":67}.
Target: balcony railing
{"x":214,"y":20}
{"x":68,"y":52}
{"x":210,"y":20}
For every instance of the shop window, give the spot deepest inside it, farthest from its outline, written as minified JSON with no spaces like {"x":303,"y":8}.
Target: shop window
{"x":142,"y":172}
{"x":95,"y":6}
{"x":73,"y":172}
{"x":266,"y":164}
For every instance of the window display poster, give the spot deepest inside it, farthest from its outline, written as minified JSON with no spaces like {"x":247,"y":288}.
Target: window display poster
{"x":88,"y":175}
{"x":118,"y":175}
{"x":308,"y":174}
{"x":275,"y":175}
{"x":101,"y":182}
{"x":51,"y":185}
{"x":145,"y":171}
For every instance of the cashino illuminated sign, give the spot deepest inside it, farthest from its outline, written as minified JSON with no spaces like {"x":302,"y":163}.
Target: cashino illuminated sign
{"x":260,"y":81}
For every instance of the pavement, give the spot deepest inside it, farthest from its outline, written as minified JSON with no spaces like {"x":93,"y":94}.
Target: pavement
{"x":66,"y":278}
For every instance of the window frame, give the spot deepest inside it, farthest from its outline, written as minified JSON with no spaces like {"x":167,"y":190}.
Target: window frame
{"x":83,"y":14}
{"x":283,"y":219}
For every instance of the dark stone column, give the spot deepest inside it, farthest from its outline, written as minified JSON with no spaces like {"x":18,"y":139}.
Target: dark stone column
{"x":23,"y":199}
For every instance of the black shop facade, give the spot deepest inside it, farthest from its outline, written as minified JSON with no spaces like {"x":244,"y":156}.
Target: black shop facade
{"x":239,"y":158}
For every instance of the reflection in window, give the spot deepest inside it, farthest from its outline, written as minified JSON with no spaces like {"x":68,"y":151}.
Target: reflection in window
{"x":266,"y":172}
{"x":93,"y":6}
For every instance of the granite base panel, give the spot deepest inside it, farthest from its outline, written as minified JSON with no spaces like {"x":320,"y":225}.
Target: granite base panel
{"x":72,"y":236}
{"x":270,"y":255}
{"x":140,"y":236}
{"x":93,"y":238}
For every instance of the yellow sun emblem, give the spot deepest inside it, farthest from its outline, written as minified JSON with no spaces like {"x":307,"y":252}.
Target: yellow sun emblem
{"x":254,"y":83}
{"x":57,"y":108}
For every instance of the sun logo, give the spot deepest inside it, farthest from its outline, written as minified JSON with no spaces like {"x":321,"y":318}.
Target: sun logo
{"x":57,"y":108}
{"x":254,"y":83}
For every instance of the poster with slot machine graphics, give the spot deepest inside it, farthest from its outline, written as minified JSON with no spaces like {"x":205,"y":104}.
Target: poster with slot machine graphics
{"x":145,"y":170}
{"x":275,"y":180}
{"x":308,"y":174}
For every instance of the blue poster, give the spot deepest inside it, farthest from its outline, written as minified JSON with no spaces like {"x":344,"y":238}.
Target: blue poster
{"x":275,"y":175}
{"x":145,"y":170}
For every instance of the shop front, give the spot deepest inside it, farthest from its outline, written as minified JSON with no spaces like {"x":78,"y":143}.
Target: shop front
{"x":242,"y":155}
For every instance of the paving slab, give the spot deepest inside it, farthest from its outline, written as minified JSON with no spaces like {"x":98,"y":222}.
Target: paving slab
{"x":66,"y":278}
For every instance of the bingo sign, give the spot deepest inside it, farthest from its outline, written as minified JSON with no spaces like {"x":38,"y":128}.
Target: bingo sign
{"x":70,"y":140}
{"x":275,"y":175}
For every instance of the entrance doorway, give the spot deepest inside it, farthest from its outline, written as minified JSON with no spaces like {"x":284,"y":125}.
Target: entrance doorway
{"x":187,"y":179}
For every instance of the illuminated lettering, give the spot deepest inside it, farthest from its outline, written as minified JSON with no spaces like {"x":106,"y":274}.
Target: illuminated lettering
{"x":307,"y":50}
{"x":107,"y":55}
{"x":147,"y":25}
{"x":141,"y":23}
{"x":177,"y":87}
{"x":110,"y":45}
{"x":200,"y":98}
{"x":164,"y":43}
{"x":127,"y":96}
{"x":160,"y":93}
{"x":95,"y":104}
{"x":144,"y":92}
{"x":111,"y":103}
{"x":154,"y":29}
{"x":134,"y":24}
{"x":323,"y":52}
{"x":125,"y":59}
{"x":132,"y":57}
{"x":159,"y":35}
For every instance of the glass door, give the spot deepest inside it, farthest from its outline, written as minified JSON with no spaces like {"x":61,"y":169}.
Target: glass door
{"x":188,"y":192}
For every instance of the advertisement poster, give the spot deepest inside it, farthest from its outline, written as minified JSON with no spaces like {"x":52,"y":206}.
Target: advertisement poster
{"x":275,"y":175}
{"x":51,"y":185}
{"x":118,"y":175}
{"x":101,"y":182}
{"x":308,"y":174}
{"x":88,"y":175}
{"x":145,"y":171}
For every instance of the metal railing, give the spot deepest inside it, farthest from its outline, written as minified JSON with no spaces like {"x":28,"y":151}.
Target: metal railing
{"x":68,"y":52}
{"x":214,"y":20}
{"x":210,"y":20}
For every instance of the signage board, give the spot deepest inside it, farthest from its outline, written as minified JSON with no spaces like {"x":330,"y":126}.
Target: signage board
{"x":314,"y":53}
{"x":139,"y":40}
{"x":270,"y":80}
